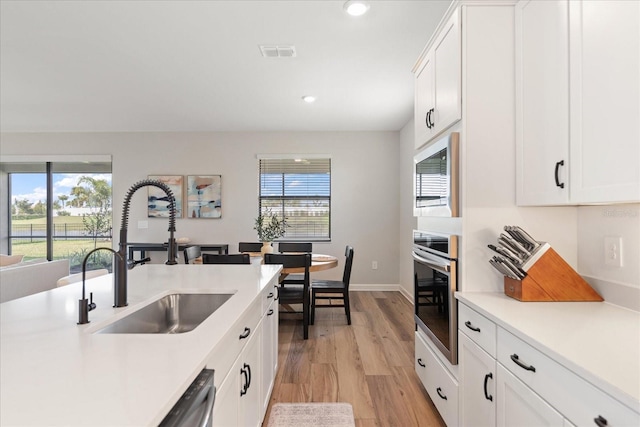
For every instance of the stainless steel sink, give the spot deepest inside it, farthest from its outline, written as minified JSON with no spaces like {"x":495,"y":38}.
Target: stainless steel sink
{"x":172,"y":314}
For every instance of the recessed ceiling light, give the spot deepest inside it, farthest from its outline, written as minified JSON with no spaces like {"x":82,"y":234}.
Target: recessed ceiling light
{"x":356,"y":7}
{"x":309,"y":98}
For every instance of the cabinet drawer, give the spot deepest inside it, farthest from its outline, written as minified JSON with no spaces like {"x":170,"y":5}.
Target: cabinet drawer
{"x":229,"y":347}
{"x":477,"y":327}
{"x":441,"y":386}
{"x":575,"y":398}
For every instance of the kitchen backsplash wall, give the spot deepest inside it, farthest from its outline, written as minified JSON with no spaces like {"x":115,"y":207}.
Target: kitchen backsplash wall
{"x":619,"y":285}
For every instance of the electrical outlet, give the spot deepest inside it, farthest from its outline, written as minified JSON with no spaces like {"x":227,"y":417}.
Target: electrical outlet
{"x":374,"y":265}
{"x":613,"y":251}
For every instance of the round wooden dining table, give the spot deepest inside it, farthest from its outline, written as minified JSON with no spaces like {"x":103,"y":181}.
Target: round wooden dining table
{"x":319,"y":262}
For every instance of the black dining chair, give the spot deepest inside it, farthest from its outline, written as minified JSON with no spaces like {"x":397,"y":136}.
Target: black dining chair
{"x":300,"y":247}
{"x":333,"y":289}
{"x":294,"y":247}
{"x":191,"y":253}
{"x":294,"y":294}
{"x":226,"y":259}
{"x":249,"y":247}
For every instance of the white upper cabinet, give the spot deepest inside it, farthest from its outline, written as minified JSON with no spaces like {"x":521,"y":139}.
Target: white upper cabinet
{"x":542,"y":107}
{"x":438,"y":102}
{"x":577,"y":102}
{"x":605,"y":101}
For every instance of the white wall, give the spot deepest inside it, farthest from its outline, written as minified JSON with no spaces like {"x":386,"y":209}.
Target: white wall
{"x":365,"y":170}
{"x":408,"y":222}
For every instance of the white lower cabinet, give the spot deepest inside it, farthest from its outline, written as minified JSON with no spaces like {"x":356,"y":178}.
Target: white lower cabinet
{"x":522,"y":385}
{"x":269,"y":352}
{"x":519,"y":406}
{"x":245,"y":364}
{"x":436,"y":379}
{"x":477,"y":384}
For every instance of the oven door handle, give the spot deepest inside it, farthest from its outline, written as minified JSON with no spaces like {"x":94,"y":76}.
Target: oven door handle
{"x":444,"y":268}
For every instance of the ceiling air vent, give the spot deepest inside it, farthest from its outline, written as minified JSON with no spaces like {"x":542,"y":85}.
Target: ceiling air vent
{"x":278,"y":51}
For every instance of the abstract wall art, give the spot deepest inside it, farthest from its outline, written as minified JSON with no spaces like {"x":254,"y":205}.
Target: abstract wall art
{"x":158,"y":205}
{"x":204,"y":196}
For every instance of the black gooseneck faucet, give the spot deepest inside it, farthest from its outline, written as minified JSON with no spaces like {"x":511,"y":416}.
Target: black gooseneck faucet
{"x":122,"y":265}
{"x":84,"y":306}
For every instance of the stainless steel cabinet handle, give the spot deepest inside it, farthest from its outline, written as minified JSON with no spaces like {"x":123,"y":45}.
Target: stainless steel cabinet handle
{"x":517,"y":361}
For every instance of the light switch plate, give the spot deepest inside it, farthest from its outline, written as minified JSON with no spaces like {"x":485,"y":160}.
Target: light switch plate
{"x":613,"y":251}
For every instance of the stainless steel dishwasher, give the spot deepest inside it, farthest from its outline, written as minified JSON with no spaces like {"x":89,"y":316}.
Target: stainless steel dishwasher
{"x":195,"y":406}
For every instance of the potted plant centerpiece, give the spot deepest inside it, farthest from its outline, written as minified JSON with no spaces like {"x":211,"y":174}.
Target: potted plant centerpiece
{"x":269,"y":228}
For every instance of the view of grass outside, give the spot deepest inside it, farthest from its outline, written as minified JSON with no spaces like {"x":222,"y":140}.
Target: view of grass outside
{"x":81,"y":220}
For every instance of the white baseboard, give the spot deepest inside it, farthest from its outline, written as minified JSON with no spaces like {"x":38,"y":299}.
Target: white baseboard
{"x":382,"y":288}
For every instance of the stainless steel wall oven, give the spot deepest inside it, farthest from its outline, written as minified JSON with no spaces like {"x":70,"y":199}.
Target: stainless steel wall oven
{"x":435,"y":259}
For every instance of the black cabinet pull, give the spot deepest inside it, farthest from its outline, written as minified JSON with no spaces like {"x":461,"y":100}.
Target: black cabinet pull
{"x":245,"y":334}
{"x":428,"y":119}
{"x":248,"y":367}
{"x":473,"y":328}
{"x":421,"y":363}
{"x":558,"y":183}
{"x":517,"y":361}
{"x":486,"y":392}
{"x":270,"y":312}
{"x":600,"y":421}
{"x":442,"y":396}
{"x":270,"y":295}
{"x":431,"y":121}
{"x":245,"y":386}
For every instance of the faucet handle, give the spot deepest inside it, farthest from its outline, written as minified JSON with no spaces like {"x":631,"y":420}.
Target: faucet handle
{"x":91,"y":305}
{"x":132,"y":263}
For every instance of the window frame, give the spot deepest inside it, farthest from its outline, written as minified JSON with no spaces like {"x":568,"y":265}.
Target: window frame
{"x":283,"y":197}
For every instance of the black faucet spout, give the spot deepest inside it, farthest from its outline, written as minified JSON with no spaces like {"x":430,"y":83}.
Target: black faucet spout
{"x":84,"y":305}
{"x":122,"y":266}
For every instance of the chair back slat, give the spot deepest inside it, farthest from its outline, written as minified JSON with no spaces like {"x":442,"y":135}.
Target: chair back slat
{"x":226,"y":259}
{"x":285,"y":247}
{"x":249,"y":246}
{"x":346,"y":276}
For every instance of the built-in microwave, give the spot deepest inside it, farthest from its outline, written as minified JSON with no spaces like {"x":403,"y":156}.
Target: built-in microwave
{"x":436,"y":178}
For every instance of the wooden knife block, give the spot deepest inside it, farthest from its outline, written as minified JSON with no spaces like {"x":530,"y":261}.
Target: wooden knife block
{"x":550,"y":278}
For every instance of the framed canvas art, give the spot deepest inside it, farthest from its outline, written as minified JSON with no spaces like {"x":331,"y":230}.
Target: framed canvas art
{"x":204,"y":196}
{"x":158,"y":204}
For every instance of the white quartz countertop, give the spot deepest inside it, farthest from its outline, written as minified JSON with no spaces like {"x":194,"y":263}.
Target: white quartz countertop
{"x":55,"y":372}
{"x":596,"y":340}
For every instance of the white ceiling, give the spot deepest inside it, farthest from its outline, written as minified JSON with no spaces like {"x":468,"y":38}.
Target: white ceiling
{"x":90,"y":66}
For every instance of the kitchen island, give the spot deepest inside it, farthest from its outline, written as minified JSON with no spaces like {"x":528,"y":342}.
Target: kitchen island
{"x":55,"y":372}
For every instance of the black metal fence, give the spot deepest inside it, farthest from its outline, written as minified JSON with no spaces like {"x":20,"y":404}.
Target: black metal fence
{"x":60,"y":232}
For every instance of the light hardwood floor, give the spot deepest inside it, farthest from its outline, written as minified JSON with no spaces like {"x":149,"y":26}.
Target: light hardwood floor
{"x":369,"y":364}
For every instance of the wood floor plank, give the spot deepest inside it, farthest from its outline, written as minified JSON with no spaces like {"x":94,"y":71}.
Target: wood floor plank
{"x":324,"y":382}
{"x":399,"y":314}
{"x":372,"y":352}
{"x":421,"y":406}
{"x":389,"y":401}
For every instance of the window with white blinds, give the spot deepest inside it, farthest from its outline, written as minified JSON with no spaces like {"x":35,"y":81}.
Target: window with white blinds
{"x":300,"y":190}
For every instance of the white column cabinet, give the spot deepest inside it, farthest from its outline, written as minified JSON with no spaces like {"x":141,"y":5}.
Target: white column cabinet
{"x":577,"y":102}
{"x":438,"y":102}
{"x":269,"y":349}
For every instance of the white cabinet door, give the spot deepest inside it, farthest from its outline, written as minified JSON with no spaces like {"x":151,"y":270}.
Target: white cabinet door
{"x":519,"y":406}
{"x":424,"y":101}
{"x":447,"y":52}
{"x":438,"y":102}
{"x":227,"y":403}
{"x":477,"y":384}
{"x":269,"y":354}
{"x":542,"y":102}
{"x":605,"y":101}
{"x":249,"y":366}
